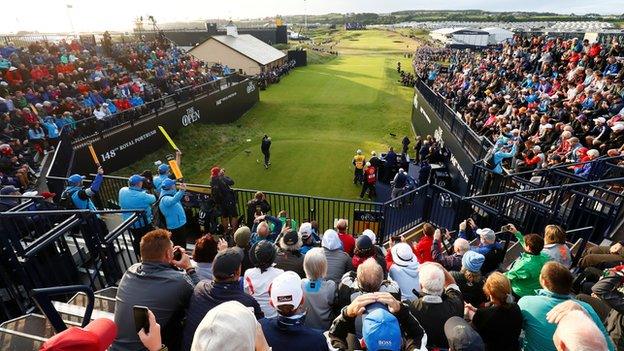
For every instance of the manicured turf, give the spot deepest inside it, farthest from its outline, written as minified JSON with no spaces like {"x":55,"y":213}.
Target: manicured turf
{"x":317,"y":117}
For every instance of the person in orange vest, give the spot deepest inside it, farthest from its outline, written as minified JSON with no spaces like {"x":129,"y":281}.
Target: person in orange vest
{"x":358,"y":161}
{"x":370,"y":179}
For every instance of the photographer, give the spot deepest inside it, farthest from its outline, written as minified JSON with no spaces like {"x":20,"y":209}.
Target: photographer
{"x":257,"y":206}
{"x":225,"y":197}
{"x":171,"y":208}
{"x":158,"y":282}
{"x":134,"y":197}
{"x":468,"y":229}
{"x":261,"y":229}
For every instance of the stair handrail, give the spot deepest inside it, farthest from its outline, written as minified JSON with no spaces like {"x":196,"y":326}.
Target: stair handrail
{"x":43,"y":299}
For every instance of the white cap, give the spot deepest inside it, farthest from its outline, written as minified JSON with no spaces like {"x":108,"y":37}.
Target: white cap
{"x":286,"y":290}
{"x":305,"y":230}
{"x":487,"y":233}
{"x":369,"y":233}
{"x":402,"y":254}
{"x":617,"y":127}
{"x":30,"y":193}
{"x":3,"y":83}
{"x":359,"y":152}
{"x":600,"y":120}
{"x":12,"y":68}
{"x":229,"y":326}
{"x":548,"y":126}
{"x":537,"y":148}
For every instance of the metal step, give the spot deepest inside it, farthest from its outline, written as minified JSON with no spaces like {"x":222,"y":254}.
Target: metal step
{"x":27,"y":332}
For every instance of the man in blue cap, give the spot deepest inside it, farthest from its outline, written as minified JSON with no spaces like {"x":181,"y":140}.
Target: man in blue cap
{"x":134,"y":196}
{"x":164,"y":171}
{"x":171,"y":208}
{"x":387,"y":324}
{"x":76,"y":196}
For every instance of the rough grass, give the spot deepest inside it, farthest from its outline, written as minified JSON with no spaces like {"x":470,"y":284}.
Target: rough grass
{"x":317,"y":116}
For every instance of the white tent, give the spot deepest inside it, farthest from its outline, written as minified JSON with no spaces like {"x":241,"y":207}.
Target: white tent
{"x":498,"y":35}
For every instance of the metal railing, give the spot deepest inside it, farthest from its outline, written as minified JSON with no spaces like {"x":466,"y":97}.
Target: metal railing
{"x":475,"y":145}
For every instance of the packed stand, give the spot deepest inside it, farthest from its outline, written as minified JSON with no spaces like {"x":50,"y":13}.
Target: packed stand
{"x":281,"y":283}
{"x":51,"y":88}
{"x":541,"y":101}
{"x":273,"y":76}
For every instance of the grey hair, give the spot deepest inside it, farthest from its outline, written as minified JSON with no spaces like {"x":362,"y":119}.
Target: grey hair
{"x":461,"y":245}
{"x":431,"y":279}
{"x":579,"y":333}
{"x":370,"y":275}
{"x":315,"y":264}
{"x":263,"y":225}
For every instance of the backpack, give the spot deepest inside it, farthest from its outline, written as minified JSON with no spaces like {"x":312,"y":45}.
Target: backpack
{"x":66,"y":200}
{"x":160,"y":221}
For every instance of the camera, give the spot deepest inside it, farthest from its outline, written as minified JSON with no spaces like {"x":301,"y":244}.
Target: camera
{"x":506,"y":228}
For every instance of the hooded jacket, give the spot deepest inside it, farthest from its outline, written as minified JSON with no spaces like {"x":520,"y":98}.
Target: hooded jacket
{"x":407,"y":279}
{"x":338,"y":262}
{"x":136,"y":198}
{"x":171,"y":207}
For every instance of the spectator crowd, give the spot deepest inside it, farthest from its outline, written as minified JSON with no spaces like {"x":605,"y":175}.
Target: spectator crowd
{"x":279,"y":285}
{"x":541,"y":101}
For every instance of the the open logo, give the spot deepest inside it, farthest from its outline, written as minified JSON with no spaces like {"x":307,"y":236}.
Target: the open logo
{"x":191,"y":116}
{"x":250,"y":87}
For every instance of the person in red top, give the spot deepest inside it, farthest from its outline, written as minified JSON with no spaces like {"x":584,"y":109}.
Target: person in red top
{"x":348,"y":242}
{"x":370,"y":178}
{"x":422,"y":249}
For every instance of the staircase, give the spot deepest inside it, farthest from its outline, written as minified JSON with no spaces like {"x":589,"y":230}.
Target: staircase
{"x":30,"y":331}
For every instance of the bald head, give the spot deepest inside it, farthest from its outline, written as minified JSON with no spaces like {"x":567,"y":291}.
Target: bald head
{"x":262,"y":229}
{"x":369,"y":275}
{"x":577,"y":332}
{"x":341,"y":225}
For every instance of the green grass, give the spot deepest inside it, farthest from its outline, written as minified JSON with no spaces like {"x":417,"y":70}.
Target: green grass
{"x":317,"y":116}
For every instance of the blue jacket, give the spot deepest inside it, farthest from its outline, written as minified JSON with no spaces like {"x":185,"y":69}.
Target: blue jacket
{"x":282,"y":333}
{"x":171,"y":207}
{"x":52,"y":129}
{"x":538,"y":332}
{"x":136,"y":198}
{"x":35,"y":134}
{"x":82,"y":197}
{"x":157,"y":181}
{"x":499,"y":156}
{"x":208,"y":295}
{"x":486,"y":248}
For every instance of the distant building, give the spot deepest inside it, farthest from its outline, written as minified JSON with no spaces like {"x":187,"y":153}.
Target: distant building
{"x":498,"y":35}
{"x":461,"y":37}
{"x":241,"y":52}
{"x":354,"y":26}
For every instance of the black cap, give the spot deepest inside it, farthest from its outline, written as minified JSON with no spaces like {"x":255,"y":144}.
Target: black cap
{"x":262,"y":254}
{"x":226,"y":263}
{"x":364,"y":243}
{"x":291,"y":237}
{"x":461,"y":336}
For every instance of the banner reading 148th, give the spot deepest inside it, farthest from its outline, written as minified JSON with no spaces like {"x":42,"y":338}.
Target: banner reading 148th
{"x":126,"y":146}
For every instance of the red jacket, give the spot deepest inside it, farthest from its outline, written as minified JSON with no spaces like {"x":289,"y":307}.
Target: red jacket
{"x":348,"y":243}
{"x":422,"y":249}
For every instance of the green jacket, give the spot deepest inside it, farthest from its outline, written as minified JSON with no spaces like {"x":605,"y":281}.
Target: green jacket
{"x":524,"y":275}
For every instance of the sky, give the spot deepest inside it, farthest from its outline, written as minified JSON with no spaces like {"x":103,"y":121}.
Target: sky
{"x":119,"y":15}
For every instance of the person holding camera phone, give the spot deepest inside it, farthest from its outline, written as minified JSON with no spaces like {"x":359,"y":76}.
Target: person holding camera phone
{"x":163,"y":281}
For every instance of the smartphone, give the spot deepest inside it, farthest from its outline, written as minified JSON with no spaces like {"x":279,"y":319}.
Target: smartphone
{"x":505,"y":228}
{"x":177,"y":255}
{"x":141,"y":321}
{"x":289,"y":222}
{"x":258,"y":211}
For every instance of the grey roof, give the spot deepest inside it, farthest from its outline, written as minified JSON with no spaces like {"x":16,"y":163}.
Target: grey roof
{"x":251,"y":47}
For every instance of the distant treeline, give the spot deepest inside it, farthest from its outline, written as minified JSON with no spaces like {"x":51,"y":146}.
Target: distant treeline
{"x":463,"y":15}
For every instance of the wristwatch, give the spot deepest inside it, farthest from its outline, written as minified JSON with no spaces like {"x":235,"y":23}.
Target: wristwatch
{"x":164,"y":348}
{"x":190,"y":270}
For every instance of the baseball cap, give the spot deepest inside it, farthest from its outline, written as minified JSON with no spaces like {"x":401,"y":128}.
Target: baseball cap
{"x":163,"y":168}
{"x":135,"y":179}
{"x":8,"y":190}
{"x":617,"y":127}
{"x":381,"y":331}
{"x":486,"y":233}
{"x":48,"y":195}
{"x":168,"y":184}
{"x":75,"y":179}
{"x":214,"y":171}
{"x":363,"y":242}
{"x":291,"y":237}
{"x":305,"y":230}
{"x":402,"y":254}
{"x":600,"y":120}
{"x":96,"y":336}
{"x":286,"y":290}
{"x":461,"y":336}
{"x":262,"y":254}
{"x":242,"y":236}
{"x":228,"y":326}
{"x":226,"y":263}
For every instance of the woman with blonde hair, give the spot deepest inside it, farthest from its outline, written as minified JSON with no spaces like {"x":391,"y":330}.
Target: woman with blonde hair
{"x":319,"y":292}
{"x":500,"y":322}
{"x":555,"y":245}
